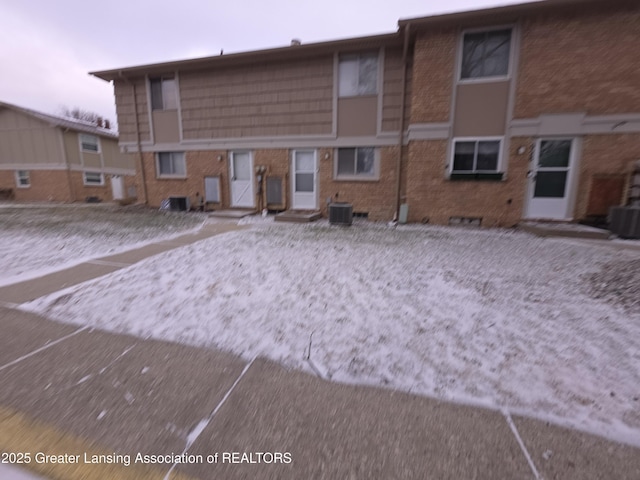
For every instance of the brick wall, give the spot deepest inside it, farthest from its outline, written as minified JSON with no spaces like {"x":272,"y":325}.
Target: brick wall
{"x":432,"y":76}
{"x":377,"y":198}
{"x":433,"y":198}
{"x":579,"y":62}
{"x":46,"y":186}
{"x":199,"y":165}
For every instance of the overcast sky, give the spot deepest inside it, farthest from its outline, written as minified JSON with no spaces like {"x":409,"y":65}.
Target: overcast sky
{"x":48,"y":47}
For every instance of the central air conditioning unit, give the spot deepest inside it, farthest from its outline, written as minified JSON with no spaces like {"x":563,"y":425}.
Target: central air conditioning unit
{"x":340,"y":214}
{"x":179,"y":204}
{"x":625,"y":221}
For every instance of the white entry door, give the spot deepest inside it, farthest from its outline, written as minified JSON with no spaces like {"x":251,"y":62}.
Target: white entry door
{"x":241,"y":174}
{"x":550,"y":180}
{"x":117,"y":187}
{"x":303,"y":181}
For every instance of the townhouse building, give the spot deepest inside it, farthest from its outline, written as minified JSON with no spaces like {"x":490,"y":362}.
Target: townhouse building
{"x":529,"y":111}
{"x":45,"y":158}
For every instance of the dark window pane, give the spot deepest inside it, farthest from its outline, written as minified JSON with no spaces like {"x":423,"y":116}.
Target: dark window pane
{"x":156,"y":93}
{"x":164,"y":163}
{"x":346,"y":161}
{"x":169,"y":97}
{"x":178,"y":163}
{"x":463,"y":156}
{"x":496,"y":53}
{"x":472,"y":53}
{"x":550,"y":184}
{"x":368,"y":75}
{"x":304,"y":182}
{"x":488,"y":156}
{"x":365,"y":161}
{"x":555,"y":153}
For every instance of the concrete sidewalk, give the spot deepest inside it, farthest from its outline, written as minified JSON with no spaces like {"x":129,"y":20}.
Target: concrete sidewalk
{"x":70,"y":391}
{"x":28,"y":290}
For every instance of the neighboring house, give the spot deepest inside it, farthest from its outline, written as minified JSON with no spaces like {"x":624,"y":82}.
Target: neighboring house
{"x":48,"y":158}
{"x":491,"y":116}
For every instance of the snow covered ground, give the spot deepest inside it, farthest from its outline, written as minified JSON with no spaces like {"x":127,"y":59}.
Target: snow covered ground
{"x":491,"y":317}
{"x":38,"y":238}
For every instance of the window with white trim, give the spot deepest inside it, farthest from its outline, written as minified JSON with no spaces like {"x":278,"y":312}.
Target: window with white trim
{"x":164,"y":93}
{"x":89,"y":143}
{"x":476,"y":156}
{"x":93,"y":178}
{"x":358,"y":75}
{"x":22,"y":178}
{"x":171,"y":164}
{"x":356,"y":163}
{"x":485,"y":54}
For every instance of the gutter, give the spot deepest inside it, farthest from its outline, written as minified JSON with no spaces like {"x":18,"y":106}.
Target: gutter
{"x":138,"y":142}
{"x":405,"y":48}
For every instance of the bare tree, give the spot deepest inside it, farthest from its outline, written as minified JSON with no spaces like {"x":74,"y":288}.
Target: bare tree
{"x":85,"y":115}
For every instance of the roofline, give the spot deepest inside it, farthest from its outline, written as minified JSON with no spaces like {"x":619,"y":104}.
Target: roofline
{"x":497,"y":14}
{"x":279,"y":53}
{"x":63,"y":122}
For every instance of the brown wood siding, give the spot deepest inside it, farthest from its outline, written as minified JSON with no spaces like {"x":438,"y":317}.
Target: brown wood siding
{"x":26,"y":140}
{"x":166,"y":127}
{"x":481,"y":109}
{"x":357,"y":116}
{"x":126,"y":111}
{"x":392,"y":91}
{"x":293,"y":98}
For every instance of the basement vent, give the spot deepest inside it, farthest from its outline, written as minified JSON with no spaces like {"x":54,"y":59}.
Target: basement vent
{"x":177,"y":204}
{"x":625,"y":222}
{"x":470,"y":221}
{"x":340,"y":214}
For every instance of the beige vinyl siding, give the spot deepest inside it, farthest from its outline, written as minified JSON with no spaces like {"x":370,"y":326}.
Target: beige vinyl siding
{"x":126,"y":111}
{"x":166,"y":127}
{"x":392,"y":91}
{"x":72,"y":148}
{"x":27,"y":140}
{"x":293,"y":98}
{"x":112,"y":158}
{"x":357,"y":116}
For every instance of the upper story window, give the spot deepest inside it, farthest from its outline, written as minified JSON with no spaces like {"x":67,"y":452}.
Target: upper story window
{"x":171,"y":164}
{"x":163,"y":93}
{"x":485,"y":54}
{"x":89,"y":143}
{"x":358,"y":75}
{"x":356,"y":163}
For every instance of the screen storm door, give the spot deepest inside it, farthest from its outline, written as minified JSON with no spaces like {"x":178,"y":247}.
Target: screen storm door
{"x":241,"y":176}
{"x":550,"y":179}
{"x":303,"y":180}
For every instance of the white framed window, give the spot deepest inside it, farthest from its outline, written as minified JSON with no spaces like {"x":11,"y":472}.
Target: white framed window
{"x":476,"y":155}
{"x":357,"y":163}
{"x":164,"y":93}
{"x":22,"y":179}
{"x":485,"y":54}
{"x":358,"y":75}
{"x":171,"y":164}
{"x":93,"y":178}
{"x":89,"y":143}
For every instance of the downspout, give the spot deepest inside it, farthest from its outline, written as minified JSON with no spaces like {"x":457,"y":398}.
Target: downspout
{"x":405,"y":48}
{"x":138,"y":142}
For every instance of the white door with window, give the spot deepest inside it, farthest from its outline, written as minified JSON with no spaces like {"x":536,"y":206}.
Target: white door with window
{"x":117,"y":187}
{"x":241,"y":175}
{"x":303,"y":181}
{"x":551,"y":179}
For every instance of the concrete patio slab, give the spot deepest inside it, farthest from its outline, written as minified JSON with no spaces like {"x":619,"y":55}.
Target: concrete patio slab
{"x":564,"y":229}
{"x":232,"y":213}
{"x":23,"y":333}
{"x":339,"y":431}
{"x":562,"y":454}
